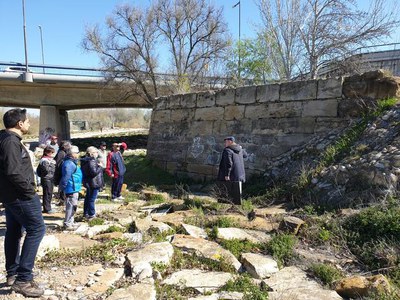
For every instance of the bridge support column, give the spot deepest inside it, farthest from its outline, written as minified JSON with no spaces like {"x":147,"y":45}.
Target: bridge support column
{"x":53,"y":121}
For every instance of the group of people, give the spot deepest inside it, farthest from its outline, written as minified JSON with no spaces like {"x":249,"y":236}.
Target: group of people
{"x":23,"y":207}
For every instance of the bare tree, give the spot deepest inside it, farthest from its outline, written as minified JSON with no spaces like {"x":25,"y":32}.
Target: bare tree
{"x":192,"y":32}
{"x":281,"y":19}
{"x":328,"y":29}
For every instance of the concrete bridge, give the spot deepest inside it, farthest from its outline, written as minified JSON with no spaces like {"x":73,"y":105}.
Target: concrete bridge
{"x":55,"y":94}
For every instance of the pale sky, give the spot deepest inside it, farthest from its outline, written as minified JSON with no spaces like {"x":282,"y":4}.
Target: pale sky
{"x":63,"y":24}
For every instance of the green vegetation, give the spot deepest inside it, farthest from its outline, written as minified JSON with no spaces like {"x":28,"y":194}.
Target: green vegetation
{"x":223,"y":222}
{"x":281,"y":248}
{"x":114,"y":228}
{"x":96,"y":221}
{"x":326,"y":273}
{"x":156,"y":199}
{"x":237,"y":247}
{"x":105,"y":252}
{"x":245,"y":285}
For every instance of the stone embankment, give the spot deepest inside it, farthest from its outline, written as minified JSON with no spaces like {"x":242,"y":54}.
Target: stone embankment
{"x":132,"y":270}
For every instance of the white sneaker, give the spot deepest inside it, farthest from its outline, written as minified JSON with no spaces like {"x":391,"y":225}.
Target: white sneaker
{"x":121,"y":198}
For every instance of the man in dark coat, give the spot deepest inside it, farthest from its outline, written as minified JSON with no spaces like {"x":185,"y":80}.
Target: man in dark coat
{"x":231,"y":172}
{"x":22,"y":205}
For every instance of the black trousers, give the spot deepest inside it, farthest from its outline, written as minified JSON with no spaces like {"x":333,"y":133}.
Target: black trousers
{"x":229,"y":192}
{"x":48,"y":186}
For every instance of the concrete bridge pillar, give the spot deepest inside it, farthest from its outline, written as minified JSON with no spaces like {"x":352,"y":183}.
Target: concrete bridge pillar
{"x":53,"y":121}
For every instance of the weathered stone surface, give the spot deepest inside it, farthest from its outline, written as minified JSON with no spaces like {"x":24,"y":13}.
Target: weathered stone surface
{"x":270,"y":211}
{"x":74,"y":242}
{"x":204,"y":248}
{"x":206,"y":99}
{"x":201,"y":280}
{"x":161,"y":116}
{"x":176,"y":218}
{"x":209,"y":113}
{"x":284,"y":110}
{"x":261,"y":224}
{"x":174,"y":102}
{"x":109,"y":236}
{"x":107,"y":279}
{"x":330,"y":88}
{"x":200,"y":169}
{"x":146,"y":224}
{"x":180,"y":115}
{"x":323,"y":108}
{"x":189,"y":100}
{"x":257,"y":111}
{"x":157,"y":253}
{"x":254,"y":236}
{"x":49,"y":242}
{"x":268,"y":93}
{"x":142,"y":291}
{"x":298,"y":90}
{"x":225,"y":97}
{"x":258,"y":265}
{"x":246,"y":95}
{"x":234,"y":112}
{"x":194,"y":231}
{"x":359,"y":286}
{"x":291,"y":224}
{"x":220,"y":296}
{"x":291,"y":283}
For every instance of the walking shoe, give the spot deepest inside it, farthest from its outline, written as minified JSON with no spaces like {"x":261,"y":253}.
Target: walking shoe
{"x":121,"y":198}
{"x":116,"y":200}
{"x":27,"y":288}
{"x":10,"y":280}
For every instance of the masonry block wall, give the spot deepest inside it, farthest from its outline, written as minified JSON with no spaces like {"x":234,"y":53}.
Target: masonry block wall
{"x":187,"y":130}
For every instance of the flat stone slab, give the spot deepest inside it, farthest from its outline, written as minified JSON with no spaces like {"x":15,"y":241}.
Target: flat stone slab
{"x":202,"y":281}
{"x":142,"y":291}
{"x":175,"y":219}
{"x":220,"y":296}
{"x":146,"y":224}
{"x":74,"y":242}
{"x":259,"y":266}
{"x":254,"y":236}
{"x":204,"y":248}
{"x":270,"y":211}
{"x":261,"y":224}
{"x":194,"y":231}
{"x":107,"y":279}
{"x":151,"y":253}
{"x":291,"y":283}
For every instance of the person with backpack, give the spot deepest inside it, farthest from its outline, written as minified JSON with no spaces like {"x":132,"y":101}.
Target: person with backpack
{"x":64,"y":146}
{"x":92,"y":180}
{"x":45,"y":170}
{"x":70,"y":185}
{"x":116,"y":170}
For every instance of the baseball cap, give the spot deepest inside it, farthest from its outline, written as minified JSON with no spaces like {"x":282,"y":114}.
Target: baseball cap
{"x":103,"y":143}
{"x":229,"y":138}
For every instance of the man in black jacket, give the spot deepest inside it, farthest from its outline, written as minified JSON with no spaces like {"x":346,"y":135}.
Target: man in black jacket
{"x":22,"y":205}
{"x":231,"y":172}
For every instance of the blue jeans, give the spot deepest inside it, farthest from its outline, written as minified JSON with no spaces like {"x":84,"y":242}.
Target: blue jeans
{"x":23,"y":214}
{"x":116,"y":186}
{"x":88,"y":204}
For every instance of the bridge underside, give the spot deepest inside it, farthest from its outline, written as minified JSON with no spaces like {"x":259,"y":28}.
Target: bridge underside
{"x":55,"y":98}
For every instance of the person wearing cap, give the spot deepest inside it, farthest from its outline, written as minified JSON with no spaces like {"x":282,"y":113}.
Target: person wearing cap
{"x":102,"y":157}
{"x":231,"y":173}
{"x":122,"y":147}
{"x":45,"y":170}
{"x":116,"y":170}
{"x":70,"y":185}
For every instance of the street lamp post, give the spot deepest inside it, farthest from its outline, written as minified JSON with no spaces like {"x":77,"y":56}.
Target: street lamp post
{"x":41,"y":42}
{"x":239,"y":48}
{"x":27,"y":75}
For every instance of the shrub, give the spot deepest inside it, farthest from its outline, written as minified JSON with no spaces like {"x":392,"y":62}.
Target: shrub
{"x":223,"y":222}
{"x":95,"y":221}
{"x":326,"y":273}
{"x":245,"y":285}
{"x":237,"y":247}
{"x":281,"y":247}
{"x":156,"y":199}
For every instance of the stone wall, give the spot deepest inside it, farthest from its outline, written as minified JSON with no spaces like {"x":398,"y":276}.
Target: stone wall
{"x":187,"y":130}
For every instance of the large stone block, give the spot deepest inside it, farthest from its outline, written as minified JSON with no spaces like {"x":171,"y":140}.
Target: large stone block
{"x":234,"y":112}
{"x":284,"y":125}
{"x":327,"y":124}
{"x":201,"y":169}
{"x":268,"y":93}
{"x":173,"y":102}
{"x":225,"y":97}
{"x":206,"y":99}
{"x":246,"y":95}
{"x":209,"y":113}
{"x":161,"y":103}
{"x":320,"y":108}
{"x":299,"y":90}
{"x":200,"y":128}
{"x":284,"y":109}
{"x":161,"y":116}
{"x":179,"y":115}
{"x":188,"y":100}
{"x":236,"y":127}
{"x":330,"y":88}
{"x":258,"y":111}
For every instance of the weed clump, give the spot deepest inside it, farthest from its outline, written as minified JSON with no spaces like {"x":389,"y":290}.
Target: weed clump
{"x":326,"y":273}
{"x":245,"y":285}
{"x":281,"y":248}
